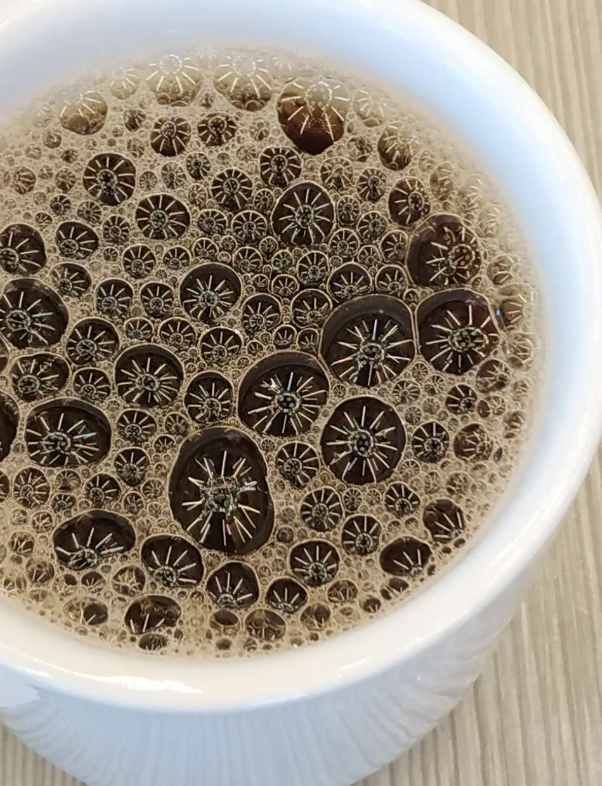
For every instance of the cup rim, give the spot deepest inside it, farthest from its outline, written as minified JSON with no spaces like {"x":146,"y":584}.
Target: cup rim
{"x":502,"y":119}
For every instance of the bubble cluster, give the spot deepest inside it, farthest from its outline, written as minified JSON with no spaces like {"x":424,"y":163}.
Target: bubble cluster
{"x":268,"y":353}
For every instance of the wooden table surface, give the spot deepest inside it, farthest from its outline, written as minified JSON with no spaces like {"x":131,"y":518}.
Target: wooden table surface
{"x":535,"y":716}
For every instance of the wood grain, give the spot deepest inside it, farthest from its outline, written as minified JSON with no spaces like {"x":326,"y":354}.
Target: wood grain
{"x":535,"y":716}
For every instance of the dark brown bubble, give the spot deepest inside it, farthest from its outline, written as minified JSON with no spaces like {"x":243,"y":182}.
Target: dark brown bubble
{"x":22,"y":250}
{"x":312,"y":112}
{"x":401,"y":500}
{"x":297,"y":463}
{"x":444,"y":253}
{"x":70,"y":280}
{"x":209,"y":291}
{"x":395,"y":147}
{"x":361,"y":535}
{"x":233,"y":586}
{"x":132,"y":465}
{"x":304,"y":215}
{"x":67,"y":433}
{"x":172,"y":561}
{"x":89,"y":539}
{"x":110,"y":178}
{"x":31,"y":315}
{"x":405,"y":557}
{"x":283,"y":395}
{"x":85,"y":115}
{"x":472,"y":443}
{"x":286,"y":596}
{"x":260,"y":313}
{"x":315,"y":562}
{"x":149,"y":376}
{"x":91,"y":341}
{"x":86,"y":611}
{"x":265,"y":625}
{"x":154,"y":612}
{"x":76,"y":240}
{"x":369,"y":341}
{"x":316,"y":616}
{"x":444,"y":520}
{"x":216,"y":129}
{"x":430,"y":442}
{"x":129,"y":581}
{"x":209,"y":399}
{"x":456,"y":330}
{"x":170,"y":135}
{"x":492,"y":376}
{"x":322,"y":509}
{"x":363,"y":441}
{"x":343,"y":591}
{"x":218,"y":492}
{"x":162,"y":217}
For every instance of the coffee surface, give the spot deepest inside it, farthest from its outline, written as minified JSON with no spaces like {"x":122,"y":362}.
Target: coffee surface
{"x":269,"y":353}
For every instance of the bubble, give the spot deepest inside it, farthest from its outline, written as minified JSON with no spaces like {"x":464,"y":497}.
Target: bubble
{"x":456,"y":331}
{"x":444,"y":520}
{"x":361,"y":535}
{"x":110,"y":178}
{"x":216,"y":129}
{"x":22,"y":250}
{"x":209,"y":399}
{"x":151,"y":613}
{"x":265,"y":624}
{"x":286,"y":596}
{"x":172,"y":561}
{"x":129,"y":581}
{"x":85,"y":114}
{"x":132,"y":466}
{"x":316,"y":616}
{"x":148,"y":375}
{"x":31,"y":315}
{"x":114,"y":298}
{"x":312,"y":112}
{"x":349,"y":281}
{"x":283,"y":395}
{"x":363,"y":441}
{"x":492,"y":376}
{"x":260,"y":313}
{"x":321,"y":509}
{"x":86,"y":611}
{"x":91,"y":538}
{"x":233,"y":586}
{"x":314,"y":562}
{"x":520,"y":350}
{"x":39,"y":571}
{"x":514,"y":424}
{"x":219,"y":494}
{"x":101,"y":490}
{"x":279,"y":166}
{"x":394,"y":147}
{"x":401,"y":500}
{"x":370,"y":344}
{"x":405,"y":557}
{"x":65,"y":433}
{"x":170,"y":136}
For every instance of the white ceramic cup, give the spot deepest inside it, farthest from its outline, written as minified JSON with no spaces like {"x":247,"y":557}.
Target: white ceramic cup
{"x":330,"y":713}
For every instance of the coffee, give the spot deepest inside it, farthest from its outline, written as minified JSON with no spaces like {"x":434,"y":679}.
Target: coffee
{"x":269,"y":353}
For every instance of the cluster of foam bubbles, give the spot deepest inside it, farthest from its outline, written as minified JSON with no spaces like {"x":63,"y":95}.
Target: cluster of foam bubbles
{"x":268,"y":353}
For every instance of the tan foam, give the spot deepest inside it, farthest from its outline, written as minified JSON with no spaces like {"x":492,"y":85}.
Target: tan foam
{"x":41,"y":175}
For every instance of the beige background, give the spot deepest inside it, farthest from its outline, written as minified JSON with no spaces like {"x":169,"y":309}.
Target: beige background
{"x":535,"y":716}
